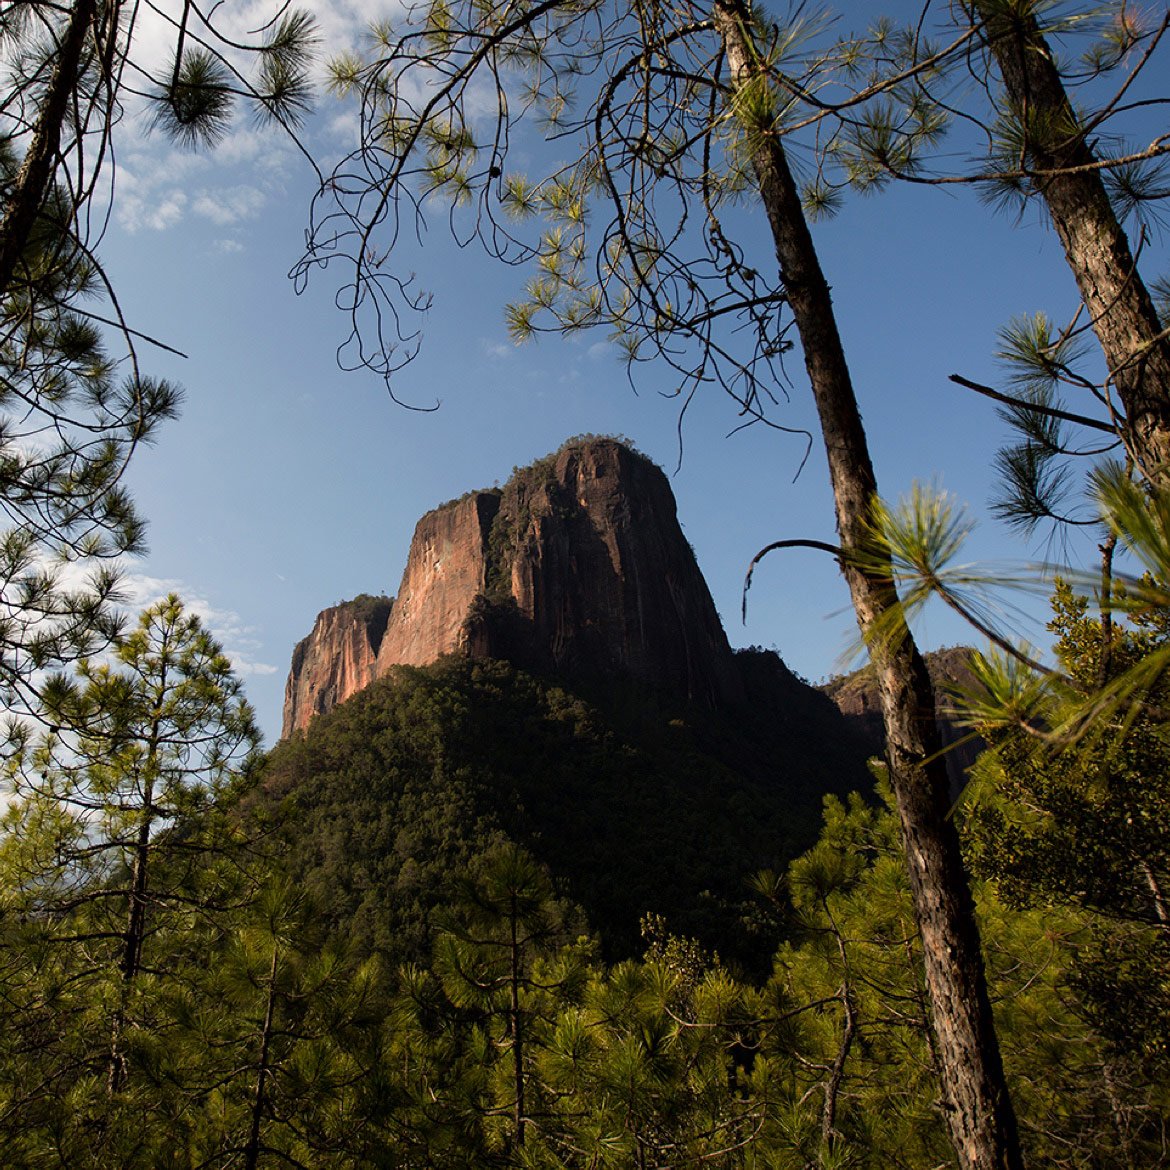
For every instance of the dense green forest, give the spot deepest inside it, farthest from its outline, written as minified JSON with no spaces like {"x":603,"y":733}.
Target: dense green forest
{"x":472,"y":918}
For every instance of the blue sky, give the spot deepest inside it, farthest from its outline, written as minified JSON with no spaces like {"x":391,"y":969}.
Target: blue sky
{"x":288,"y":485}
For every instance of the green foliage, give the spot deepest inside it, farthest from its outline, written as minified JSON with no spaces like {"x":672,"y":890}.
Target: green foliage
{"x":196,"y":101}
{"x":426,"y":819}
{"x":196,"y":108}
{"x":116,"y":863}
{"x":275,"y":1041}
{"x":72,"y":408}
{"x":384,"y":797}
{"x":1088,"y":825}
{"x":497,"y":960}
{"x":642,"y":1070}
{"x":69,"y":422}
{"x":845,"y":1064}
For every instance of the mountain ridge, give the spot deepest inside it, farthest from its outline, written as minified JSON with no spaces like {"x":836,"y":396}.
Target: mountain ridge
{"x":577,"y":568}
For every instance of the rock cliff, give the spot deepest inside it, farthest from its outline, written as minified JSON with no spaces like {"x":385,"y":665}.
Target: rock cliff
{"x":338,"y":659}
{"x":856,"y":696}
{"x":590,"y":577}
{"x":446,"y":570}
{"x":577,"y":566}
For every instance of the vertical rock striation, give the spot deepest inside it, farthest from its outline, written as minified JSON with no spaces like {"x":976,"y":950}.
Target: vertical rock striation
{"x":577,"y":567}
{"x":592,"y":556}
{"x":445,"y":571}
{"x":336,"y":660}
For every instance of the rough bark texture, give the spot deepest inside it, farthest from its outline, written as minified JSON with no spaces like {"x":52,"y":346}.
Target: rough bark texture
{"x":31,"y":189}
{"x":858,"y":698}
{"x":1096,"y":247}
{"x":978,"y":1109}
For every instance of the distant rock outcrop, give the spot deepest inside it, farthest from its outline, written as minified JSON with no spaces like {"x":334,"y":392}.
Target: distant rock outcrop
{"x":576,"y":567}
{"x":338,"y":659}
{"x":856,"y":697}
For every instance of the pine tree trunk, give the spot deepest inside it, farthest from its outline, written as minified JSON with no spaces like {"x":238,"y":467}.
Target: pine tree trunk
{"x":1095,"y":246}
{"x":35,"y":178}
{"x":259,"y":1095}
{"x":515,"y":1027}
{"x":135,"y":932}
{"x":979,"y":1112}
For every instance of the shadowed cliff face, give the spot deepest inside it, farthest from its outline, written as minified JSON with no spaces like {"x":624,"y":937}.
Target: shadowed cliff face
{"x":577,"y":567}
{"x":590,"y":553}
{"x":856,"y":697}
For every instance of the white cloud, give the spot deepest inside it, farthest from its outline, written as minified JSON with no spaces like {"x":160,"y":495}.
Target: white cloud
{"x":155,"y":213}
{"x":238,"y":639}
{"x":228,"y":246}
{"x":343,"y":128}
{"x":150,"y":194}
{"x":245,"y":145}
{"x":228,"y":205}
{"x":496,"y":349}
{"x":167,"y":212}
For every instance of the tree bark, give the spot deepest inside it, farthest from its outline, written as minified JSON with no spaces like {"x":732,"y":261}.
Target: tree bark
{"x":979,"y":1112}
{"x":135,"y":932}
{"x":1061,"y":162}
{"x":35,"y":178}
{"x":518,"y":1115}
{"x":848,"y":1031}
{"x":259,"y":1098}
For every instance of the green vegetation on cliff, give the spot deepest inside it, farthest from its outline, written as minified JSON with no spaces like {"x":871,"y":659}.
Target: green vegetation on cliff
{"x":634,"y":810}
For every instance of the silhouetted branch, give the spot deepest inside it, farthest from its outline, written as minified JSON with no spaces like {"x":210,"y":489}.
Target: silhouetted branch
{"x":1036,"y":408}
{"x":832,"y":549}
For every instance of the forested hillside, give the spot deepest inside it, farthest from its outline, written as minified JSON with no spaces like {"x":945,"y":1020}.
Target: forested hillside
{"x":633,"y":809}
{"x":470,"y":919}
{"x":543,"y":877}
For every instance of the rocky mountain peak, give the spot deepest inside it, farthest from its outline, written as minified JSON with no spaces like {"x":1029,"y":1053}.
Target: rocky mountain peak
{"x":337,"y":659}
{"x":577,"y":567}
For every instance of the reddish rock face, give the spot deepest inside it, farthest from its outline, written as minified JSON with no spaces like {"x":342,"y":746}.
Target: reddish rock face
{"x":445,"y":571}
{"x":335,"y":661}
{"x":578,"y":567}
{"x":598,"y":566}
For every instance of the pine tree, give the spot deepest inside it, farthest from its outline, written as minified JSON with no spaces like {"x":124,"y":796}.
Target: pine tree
{"x":69,"y":423}
{"x":847,"y":1073}
{"x":74,"y":402}
{"x":1088,"y":826}
{"x":277,"y":1041}
{"x":1055,"y":147}
{"x":642,"y":1070}
{"x":114,"y":855}
{"x":499,"y":958}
